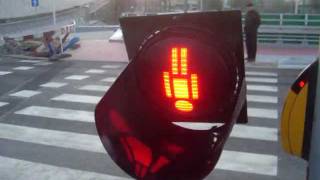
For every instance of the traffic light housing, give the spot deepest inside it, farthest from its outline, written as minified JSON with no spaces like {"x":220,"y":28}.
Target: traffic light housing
{"x":185,"y":70}
{"x":298,"y":113}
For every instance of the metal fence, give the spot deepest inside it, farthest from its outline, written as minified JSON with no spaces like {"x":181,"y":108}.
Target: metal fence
{"x":293,"y":29}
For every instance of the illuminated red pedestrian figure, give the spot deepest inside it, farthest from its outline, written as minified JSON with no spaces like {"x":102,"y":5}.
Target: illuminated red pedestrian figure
{"x":179,"y":84}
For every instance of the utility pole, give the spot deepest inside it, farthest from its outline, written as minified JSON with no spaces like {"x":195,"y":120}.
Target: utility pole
{"x":55,"y":24}
{"x":201,"y":5}
{"x":296,"y":6}
{"x":186,"y":6}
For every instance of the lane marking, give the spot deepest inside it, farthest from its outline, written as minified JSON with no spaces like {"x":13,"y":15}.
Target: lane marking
{"x":3,"y":104}
{"x":31,"y":170}
{"x":77,"y":77}
{"x":43,"y":64}
{"x":261,"y":80}
{"x":262,"y":99}
{"x":23,"y":68}
{"x":95,"y":71}
{"x":263,"y":113}
{"x":111,"y":66}
{"x":238,"y":131}
{"x":263,"y":88}
{"x":29,"y":61}
{"x":2,"y":73}
{"x":95,"y":88}
{"x":77,"y":98}
{"x":257,"y":73}
{"x":257,"y":133}
{"x":53,"y":85}
{"x":55,"y":138}
{"x":57,"y":113}
{"x":109,"y":79}
{"x":248,"y":163}
{"x":25,"y":93}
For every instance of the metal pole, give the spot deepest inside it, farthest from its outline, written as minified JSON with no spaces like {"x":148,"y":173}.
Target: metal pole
{"x":55,"y":23}
{"x":186,"y":6}
{"x":54,"y":13}
{"x":201,"y":5}
{"x":319,"y":48}
{"x":296,"y":6}
{"x":314,"y":160}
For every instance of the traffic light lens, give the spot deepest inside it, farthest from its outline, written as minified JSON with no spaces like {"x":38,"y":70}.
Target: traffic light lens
{"x":184,"y":106}
{"x":181,"y":89}
{"x":301,"y":84}
{"x":178,"y":83}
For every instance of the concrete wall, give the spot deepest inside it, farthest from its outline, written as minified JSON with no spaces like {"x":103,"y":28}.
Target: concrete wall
{"x":22,"y":8}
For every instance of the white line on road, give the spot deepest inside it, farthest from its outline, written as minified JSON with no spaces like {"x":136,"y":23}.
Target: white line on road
{"x":251,"y":87}
{"x":95,"y":71}
{"x":109,"y":79}
{"x":43,"y":64}
{"x":53,"y":85}
{"x":5,"y":73}
{"x":262,"y":99}
{"x":263,"y":113}
{"x":25,"y":93}
{"x":77,"y":77}
{"x":230,"y":160}
{"x":239,"y":131}
{"x":261,"y":80}
{"x":63,"y":139}
{"x":3,"y":104}
{"x":111,"y":66}
{"x":252,"y":132}
{"x":256,"y":73}
{"x":57,"y":113}
{"x":23,"y":68}
{"x":77,"y":98}
{"x":248,"y":163}
{"x":29,"y":61}
{"x":95,"y":88}
{"x":31,"y":170}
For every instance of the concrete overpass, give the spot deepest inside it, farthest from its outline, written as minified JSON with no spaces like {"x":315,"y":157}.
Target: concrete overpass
{"x":22,"y":8}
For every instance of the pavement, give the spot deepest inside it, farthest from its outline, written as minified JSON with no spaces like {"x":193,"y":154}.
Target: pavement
{"x":97,"y":46}
{"x":47,"y":128}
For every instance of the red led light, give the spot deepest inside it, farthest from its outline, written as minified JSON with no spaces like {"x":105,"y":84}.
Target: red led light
{"x":302,"y":84}
{"x":178,"y":83}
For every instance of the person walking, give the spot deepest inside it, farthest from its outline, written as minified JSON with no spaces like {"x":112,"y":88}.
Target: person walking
{"x":252,"y":23}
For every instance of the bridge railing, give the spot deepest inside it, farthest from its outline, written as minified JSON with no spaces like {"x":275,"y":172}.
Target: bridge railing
{"x":293,"y":29}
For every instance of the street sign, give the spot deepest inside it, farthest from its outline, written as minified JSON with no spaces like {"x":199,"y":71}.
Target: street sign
{"x":34,"y":3}
{"x":184,"y":68}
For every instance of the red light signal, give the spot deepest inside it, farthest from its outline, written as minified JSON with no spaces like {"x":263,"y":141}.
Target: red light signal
{"x":182,"y":69}
{"x":179,"y":84}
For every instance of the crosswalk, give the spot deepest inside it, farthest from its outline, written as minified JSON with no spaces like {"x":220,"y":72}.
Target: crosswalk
{"x":52,"y":106}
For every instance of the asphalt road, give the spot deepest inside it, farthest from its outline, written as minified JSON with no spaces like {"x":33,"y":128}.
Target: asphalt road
{"x":47,"y":128}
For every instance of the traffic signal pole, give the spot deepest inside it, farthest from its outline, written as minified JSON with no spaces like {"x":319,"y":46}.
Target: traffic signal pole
{"x":314,"y":159}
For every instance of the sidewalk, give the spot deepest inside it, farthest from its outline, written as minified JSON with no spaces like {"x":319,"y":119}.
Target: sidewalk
{"x":282,"y":57}
{"x":100,"y":50}
{"x":287,"y":57}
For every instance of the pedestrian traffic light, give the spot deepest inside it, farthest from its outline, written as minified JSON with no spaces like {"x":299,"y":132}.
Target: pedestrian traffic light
{"x":185,"y":70}
{"x":298,"y":113}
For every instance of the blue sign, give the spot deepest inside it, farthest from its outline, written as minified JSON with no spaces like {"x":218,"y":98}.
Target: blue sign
{"x":35,"y":3}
